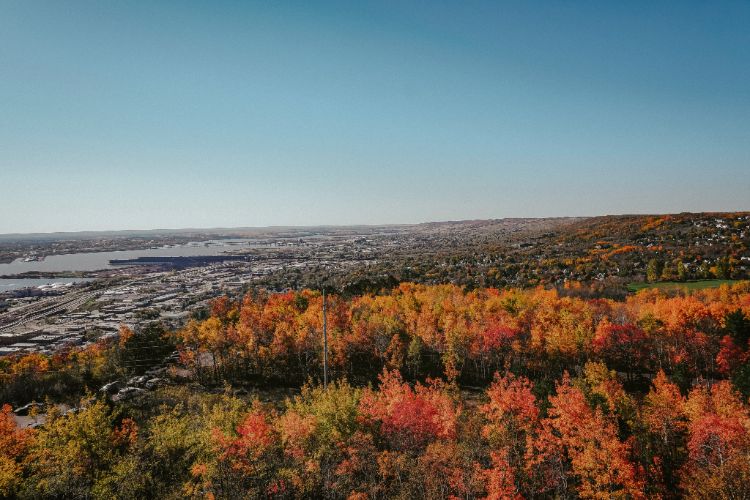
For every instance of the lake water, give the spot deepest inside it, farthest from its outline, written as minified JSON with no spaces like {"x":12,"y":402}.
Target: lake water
{"x":17,"y":284}
{"x":100,"y":260}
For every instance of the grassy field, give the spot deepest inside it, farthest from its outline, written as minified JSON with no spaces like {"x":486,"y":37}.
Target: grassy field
{"x":688,"y":285}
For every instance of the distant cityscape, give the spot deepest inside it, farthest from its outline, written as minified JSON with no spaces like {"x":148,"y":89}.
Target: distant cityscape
{"x":171,"y":278}
{"x":45,"y":318}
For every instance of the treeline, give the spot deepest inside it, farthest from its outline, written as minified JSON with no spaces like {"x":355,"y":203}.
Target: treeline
{"x":467,"y":336}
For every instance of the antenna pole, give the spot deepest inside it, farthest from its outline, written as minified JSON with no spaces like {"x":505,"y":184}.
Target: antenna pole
{"x":325,"y":343}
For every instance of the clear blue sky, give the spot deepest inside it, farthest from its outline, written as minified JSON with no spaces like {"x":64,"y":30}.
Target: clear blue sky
{"x":154,"y":114}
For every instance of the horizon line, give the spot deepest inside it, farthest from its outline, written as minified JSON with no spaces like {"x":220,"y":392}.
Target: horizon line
{"x":313,"y":226}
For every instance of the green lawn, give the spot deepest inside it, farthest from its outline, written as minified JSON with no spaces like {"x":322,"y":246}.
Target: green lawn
{"x":688,"y":285}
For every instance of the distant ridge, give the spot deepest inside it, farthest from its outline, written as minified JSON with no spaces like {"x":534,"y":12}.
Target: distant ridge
{"x":258,"y":230}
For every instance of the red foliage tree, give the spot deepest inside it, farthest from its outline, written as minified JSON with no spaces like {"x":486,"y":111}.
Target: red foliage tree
{"x":410,"y":418}
{"x":598,"y":460}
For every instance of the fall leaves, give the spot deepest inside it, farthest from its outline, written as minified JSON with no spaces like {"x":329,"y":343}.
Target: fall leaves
{"x":589,"y":438}
{"x":466,"y":336}
{"x":437,"y":392}
{"x":14,"y":444}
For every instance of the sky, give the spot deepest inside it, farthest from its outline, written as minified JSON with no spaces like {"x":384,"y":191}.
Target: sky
{"x":171,"y":114}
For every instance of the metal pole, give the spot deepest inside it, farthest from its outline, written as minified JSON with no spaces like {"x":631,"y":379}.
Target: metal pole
{"x":325,"y":343}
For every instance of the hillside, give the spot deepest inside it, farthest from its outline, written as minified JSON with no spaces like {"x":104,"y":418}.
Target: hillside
{"x":611,"y":251}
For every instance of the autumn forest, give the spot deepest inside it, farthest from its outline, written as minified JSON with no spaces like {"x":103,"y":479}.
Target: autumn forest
{"x":435,"y":392}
